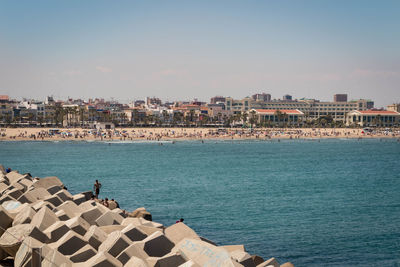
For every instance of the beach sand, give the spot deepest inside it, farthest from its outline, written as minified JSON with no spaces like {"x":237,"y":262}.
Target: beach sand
{"x":160,"y":134}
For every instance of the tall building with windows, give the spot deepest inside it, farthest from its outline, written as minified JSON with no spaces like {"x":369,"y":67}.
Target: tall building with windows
{"x":287,"y":98}
{"x":312,"y":109}
{"x":217,"y":99}
{"x":340,"y":98}
{"x":261,"y":97}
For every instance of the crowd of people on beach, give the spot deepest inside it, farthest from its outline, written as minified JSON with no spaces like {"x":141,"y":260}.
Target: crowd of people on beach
{"x":158,"y":134}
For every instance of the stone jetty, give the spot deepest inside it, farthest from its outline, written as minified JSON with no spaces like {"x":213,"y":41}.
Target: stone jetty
{"x":42,"y":224}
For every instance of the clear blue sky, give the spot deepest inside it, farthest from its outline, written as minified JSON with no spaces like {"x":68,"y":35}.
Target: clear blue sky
{"x":186,"y":49}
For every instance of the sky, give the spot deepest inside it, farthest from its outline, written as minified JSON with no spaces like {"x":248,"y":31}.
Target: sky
{"x":181,"y":50}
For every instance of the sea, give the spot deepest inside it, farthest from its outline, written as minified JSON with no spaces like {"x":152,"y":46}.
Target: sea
{"x":329,"y":202}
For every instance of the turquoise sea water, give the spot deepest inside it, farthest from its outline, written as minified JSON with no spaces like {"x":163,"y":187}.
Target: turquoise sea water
{"x":328,"y":203}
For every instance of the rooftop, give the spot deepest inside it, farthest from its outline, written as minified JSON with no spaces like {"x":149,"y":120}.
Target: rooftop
{"x":273,"y":111}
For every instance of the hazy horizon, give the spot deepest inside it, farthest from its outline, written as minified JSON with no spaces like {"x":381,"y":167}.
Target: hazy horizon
{"x":179,"y":50}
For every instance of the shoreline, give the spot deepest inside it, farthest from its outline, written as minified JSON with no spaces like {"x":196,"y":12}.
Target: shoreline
{"x":186,"y":134}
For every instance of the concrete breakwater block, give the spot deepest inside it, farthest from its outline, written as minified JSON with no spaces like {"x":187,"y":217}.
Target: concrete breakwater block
{"x":136,"y":262}
{"x":91,"y":215}
{"x":95,"y":236}
{"x":69,"y":243}
{"x":54,"y":189}
{"x":78,"y":225}
{"x":64,"y":195}
{"x":270,"y":262}
{"x":257,"y":259}
{"x":133,"y":250}
{"x":100,"y":260}
{"x":44,"y":218}
{"x":34,"y":194}
{"x":189,"y":263}
{"x":25,"y":215}
{"x":14,"y":177}
{"x":109,"y":218}
{"x":24,"y":253}
{"x":15,"y":193}
{"x":179,"y":231}
{"x":78,"y":198}
{"x":39,"y":204}
{"x":62,"y":216}
{"x":169,"y":260}
{"x":156,"y":245}
{"x":83,"y":254}
{"x":3,"y":186}
{"x":141,"y":213}
{"x":5,"y":220}
{"x":205,"y":254}
{"x":56,"y":231}
{"x":133,"y":233}
{"x":141,"y":221}
{"x":53,"y":258}
{"x":53,"y":199}
{"x":11,"y":239}
{"x":5,"y":198}
{"x":108,"y":229}
{"x":115,"y":243}
{"x":48,"y":182}
{"x":243,"y":258}
{"x":70,"y":208}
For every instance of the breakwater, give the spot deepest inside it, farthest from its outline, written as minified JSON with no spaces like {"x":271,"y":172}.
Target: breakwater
{"x":43,"y":224}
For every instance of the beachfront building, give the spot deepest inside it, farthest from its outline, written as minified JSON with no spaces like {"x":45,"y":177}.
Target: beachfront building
{"x":340,"y":98}
{"x":283,"y":117}
{"x":376,"y":118}
{"x":238,"y":106}
{"x":6,"y":109}
{"x":312,"y":109}
{"x":394,"y":107}
{"x":261,"y":97}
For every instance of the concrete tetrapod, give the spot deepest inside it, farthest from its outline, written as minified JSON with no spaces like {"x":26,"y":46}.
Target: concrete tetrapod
{"x":179,"y":231}
{"x":56,"y":231}
{"x":5,"y":220}
{"x":109,"y":218}
{"x":205,"y":254}
{"x":83,"y":254}
{"x":172,"y":259}
{"x":24,"y":216}
{"x":48,"y":182}
{"x":11,"y":240}
{"x":79,"y":225}
{"x":133,"y":233}
{"x":69,"y":243}
{"x":115,"y":243}
{"x":136,"y":262}
{"x":270,"y":262}
{"x":134,"y":250}
{"x":95,"y":236}
{"x":156,"y":245}
{"x":44,"y":218}
{"x":243,"y":258}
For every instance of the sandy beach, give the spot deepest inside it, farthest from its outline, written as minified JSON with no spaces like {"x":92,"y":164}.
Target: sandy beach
{"x":160,"y":134}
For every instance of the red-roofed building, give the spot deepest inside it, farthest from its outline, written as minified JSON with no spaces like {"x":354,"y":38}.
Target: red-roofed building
{"x":4,"y":98}
{"x":380,"y":118}
{"x":275,"y":116}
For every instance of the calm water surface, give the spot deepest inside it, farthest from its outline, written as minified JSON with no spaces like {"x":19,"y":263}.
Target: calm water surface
{"x":328,"y":203}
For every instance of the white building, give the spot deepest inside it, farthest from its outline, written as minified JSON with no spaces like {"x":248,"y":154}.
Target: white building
{"x":379,"y":118}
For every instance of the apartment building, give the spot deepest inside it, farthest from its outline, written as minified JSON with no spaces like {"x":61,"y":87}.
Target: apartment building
{"x":380,"y":118}
{"x":312,"y":109}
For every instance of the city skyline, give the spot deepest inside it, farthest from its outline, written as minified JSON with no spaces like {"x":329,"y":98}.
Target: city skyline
{"x":180,"y":51}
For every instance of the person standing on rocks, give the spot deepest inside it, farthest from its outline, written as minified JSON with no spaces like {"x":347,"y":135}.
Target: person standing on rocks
{"x":96,"y":188}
